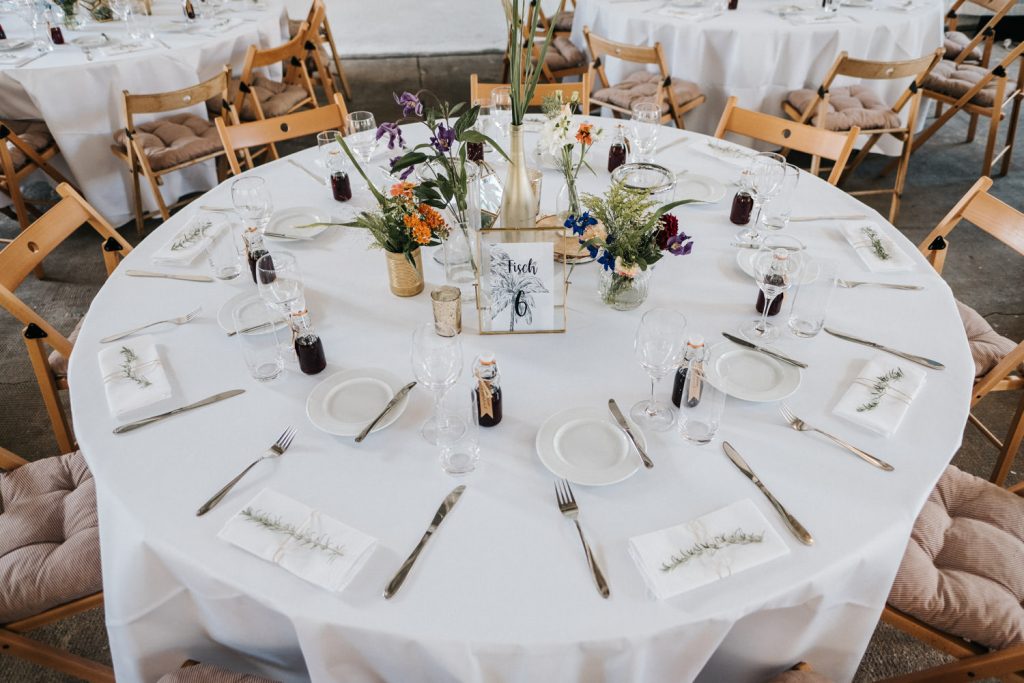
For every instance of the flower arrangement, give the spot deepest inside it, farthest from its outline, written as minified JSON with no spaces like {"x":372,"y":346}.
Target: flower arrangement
{"x":563,"y":143}
{"x":404,"y":222}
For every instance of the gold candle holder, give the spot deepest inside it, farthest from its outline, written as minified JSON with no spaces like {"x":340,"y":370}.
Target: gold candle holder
{"x":447,"y":304}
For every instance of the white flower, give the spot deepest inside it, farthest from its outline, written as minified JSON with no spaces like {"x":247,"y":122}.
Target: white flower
{"x":623,"y":270}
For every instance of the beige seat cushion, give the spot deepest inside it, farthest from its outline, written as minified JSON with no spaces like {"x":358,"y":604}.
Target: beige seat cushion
{"x":563,"y":21}
{"x":293,"y":27}
{"x":562,"y":54}
{"x":963,"y":570}
{"x":851,"y":106}
{"x":174,"y":140}
{"x":35,"y":134}
{"x":800,"y":677}
{"x":955,"y":80}
{"x":49,"y":538}
{"x":642,"y":86}
{"x":276,"y":98}
{"x":988,"y":347}
{"x":58,"y":361}
{"x":954,"y":43}
{"x":205,"y":673}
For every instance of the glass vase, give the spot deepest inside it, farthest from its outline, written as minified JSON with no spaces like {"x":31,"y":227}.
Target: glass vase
{"x":518,"y":205}
{"x":568,"y":202}
{"x":460,"y":261}
{"x":624,"y":293}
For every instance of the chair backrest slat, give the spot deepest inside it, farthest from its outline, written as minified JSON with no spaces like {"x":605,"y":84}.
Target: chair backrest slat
{"x":909,"y":68}
{"x":482,"y":91}
{"x":155,"y":103}
{"x":998,"y":219}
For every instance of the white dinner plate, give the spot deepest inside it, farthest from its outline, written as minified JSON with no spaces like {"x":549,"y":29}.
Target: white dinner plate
{"x":585,"y":446}
{"x":91,"y":41}
{"x":10,"y":45}
{"x":284,"y":222}
{"x":699,"y":187}
{"x":344,"y":403}
{"x":750,"y":375}
{"x":745,"y":260}
{"x":254,"y":311}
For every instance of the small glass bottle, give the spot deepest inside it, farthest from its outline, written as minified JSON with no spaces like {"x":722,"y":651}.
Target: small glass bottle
{"x":3,"y":36}
{"x":308,"y":346}
{"x":488,"y":389}
{"x":619,"y":150}
{"x":189,"y":10}
{"x":694,"y":349}
{"x":254,"y":248}
{"x":341,"y":186}
{"x":733,"y":4}
{"x":742,"y":205}
{"x":56,"y":35}
{"x":776,"y":276}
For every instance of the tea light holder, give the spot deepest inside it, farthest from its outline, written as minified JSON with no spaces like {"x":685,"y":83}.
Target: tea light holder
{"x":447,"y":304}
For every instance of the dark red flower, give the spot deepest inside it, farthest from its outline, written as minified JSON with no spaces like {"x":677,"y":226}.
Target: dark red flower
{"x":669,"y":229}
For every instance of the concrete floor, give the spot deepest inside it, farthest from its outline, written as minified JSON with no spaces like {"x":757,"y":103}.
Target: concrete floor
{"x":981,"y":271}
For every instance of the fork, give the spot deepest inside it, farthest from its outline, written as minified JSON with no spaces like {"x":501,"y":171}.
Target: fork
{"x":567,"y":504}
{"x":180,"y":320}
{"x":275,"y":451}
{"x":801,"y":426}
{"x":850,"y":284}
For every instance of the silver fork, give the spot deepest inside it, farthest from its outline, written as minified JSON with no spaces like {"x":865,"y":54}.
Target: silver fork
{"x":801,"y":426}
{"x":567,"y":504}
{"x":180,"y":320}
{"x":850,"y":284}
{"x":276,"y":450}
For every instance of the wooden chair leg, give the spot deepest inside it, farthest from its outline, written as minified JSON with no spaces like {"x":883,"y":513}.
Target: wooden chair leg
{"x":52,"y":658}
{"x":901,"y":179}
{"x":154,"y":183}
{"x":972,"y":128}
{"x":1011,"y":444}
{"x":1011,"y":134}
{"x":51,"y":397}
{"x":990,"y":143}
{"x":140,"y":220}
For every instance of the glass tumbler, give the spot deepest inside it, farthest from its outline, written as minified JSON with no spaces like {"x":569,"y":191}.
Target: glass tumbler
{"x":223,"y":256}
{"x":260,"y":348}
{"x":701,"y":407}
{"x":458,"y":432}
{"x":779,"y":208}
{"x":809,"y":303}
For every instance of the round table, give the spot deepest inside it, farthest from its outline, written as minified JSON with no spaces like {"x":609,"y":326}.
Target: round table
{"x":80,"y":98}
{"x":758,"y":56}
{"x":503,"y":592}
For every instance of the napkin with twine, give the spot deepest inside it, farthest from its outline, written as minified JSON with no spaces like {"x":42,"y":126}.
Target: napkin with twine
{"x":133,"y":375}
{"x":882,"y":393}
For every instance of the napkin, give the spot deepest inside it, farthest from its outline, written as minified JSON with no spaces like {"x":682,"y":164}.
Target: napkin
{"x":191,"y":240}
{"x":695,"y":14}
{"x":810,"y":19}
{"x":734,"y":155}
{"x":859,"y":234}
{"x":653,"y":551}
{"x":318,"y":565}
{"x":893,"y":398}
{"x":126,"y":48}
{"x":133,"y":375}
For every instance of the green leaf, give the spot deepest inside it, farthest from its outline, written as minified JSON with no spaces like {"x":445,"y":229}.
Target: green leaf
{"x":408,"y":159}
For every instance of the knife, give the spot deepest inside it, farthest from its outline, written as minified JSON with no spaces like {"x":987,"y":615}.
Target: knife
{"x":282,"y":236}
{"x":387,"y":409}
{"x":796,"y":527}
{"x":920,"y":360}
{"x":169,"y":276}
{"x":253,"y":328}
{"x":312,"y":175}
{"x":767,"y":352}
{"x":446,"y":506}
{"x":852,"y":216}
{"x":198,"y":404}
{"x":621,"y":419}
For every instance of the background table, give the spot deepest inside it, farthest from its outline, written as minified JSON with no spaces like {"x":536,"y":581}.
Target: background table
{"x":503,"y":592}
{"x":81,"y":102}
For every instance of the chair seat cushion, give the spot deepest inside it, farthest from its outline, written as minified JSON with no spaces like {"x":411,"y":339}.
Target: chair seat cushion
{"x":276,"y":98}
{"x":963,"y":570}
{"x":988,"y":347}
{"x":49,"y":538}
{"x":58,"y":361}
{"x":206,"y":673}
{"x":949,"y":78}
{"x":563,"y":21}
{"x":35,"y":134}
{"x":954,"y":43}
{"x":174,"y":140}
{"x":851,"y":106}
{"x":642,"y":86}
{"x":293,"y":27}
{"x":562,"y":54}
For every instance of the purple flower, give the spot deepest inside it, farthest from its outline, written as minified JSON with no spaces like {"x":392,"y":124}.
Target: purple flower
{"x":680,"y":244}
{"x":393,"y":132}
{"x":607,"y":261}
{"x":405,"y":173}
{"x":409,"y":103}
{"x":443,"y":138}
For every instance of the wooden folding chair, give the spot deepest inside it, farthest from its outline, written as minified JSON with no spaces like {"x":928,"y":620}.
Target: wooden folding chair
{"x":241,"y":137}
{"x":256,"y":97}
{"x":562,"y":19}
{"x":961,"y":49}
{"x":14,"y":643}
{"x":811,"y":140}
{"x":818,"y":108}
{"x":481,"y":92}
{"x":562,"y":59}
{"x":320,"y":34}
{"x":17,"y":260}
{"x":675,"y":96}
{"x":169,"y":143}
{"x":25,"y":147}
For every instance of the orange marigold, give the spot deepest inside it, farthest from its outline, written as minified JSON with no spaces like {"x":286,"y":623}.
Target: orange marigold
{"x":403,"y":189}
{"x":431,"y":216}
{"x":583,"y":135}
{"x":420,"y":230}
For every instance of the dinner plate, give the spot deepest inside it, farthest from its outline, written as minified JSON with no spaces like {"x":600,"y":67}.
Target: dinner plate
{"x":91,"y":41}
{"x":285,"y":222}
{"x":585,"y":446}
{"x":344,"y":403}
{"x":750,"y":375}
{"x":745,"y":260}
{"x":10,"y":45}
{"x":254,"y":312}
{"x":699,"y":187}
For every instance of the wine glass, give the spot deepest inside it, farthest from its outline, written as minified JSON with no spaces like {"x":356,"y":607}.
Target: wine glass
{"x":437,"y":364}
{"x":659,"y":348}
{"x":330,"y":151}
{"x":279,"y":280}
{"x":776,"y":268}
{"x":252,"y":201}
{"x":362,"y":134}
{"x":646,"y":121}
{"x":765,"y":176}
{"x":501,"y":108}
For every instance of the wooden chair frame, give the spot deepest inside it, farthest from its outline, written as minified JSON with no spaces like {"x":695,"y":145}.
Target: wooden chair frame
{"x":161,"y":103}
{"x":12,"y":641}
{"x":545,"y":21}
{"x":916,"y":69}
{"x":602,"y":48}
{"x":987,"y":33}
{"x":320,"y":32}
{"x":243,"y":136}
{"x":543,"y":27}
{"x":786,"y":134}
{"x":482,"y":91}
{"x":24,"y":254}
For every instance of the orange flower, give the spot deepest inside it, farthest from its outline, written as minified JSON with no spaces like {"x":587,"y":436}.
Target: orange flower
{"x":420,"y":230}
{"x":433,"y":219}
{"x":583,"y":135}
{"x":403,"y":189}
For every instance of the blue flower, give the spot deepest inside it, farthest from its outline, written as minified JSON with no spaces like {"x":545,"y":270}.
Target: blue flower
{"x":409,"y":103}
{"x":393,"y":132}
{"x":443,"y":138}
{"x":579,"y":224}
{"x":591,"y":250}
{"x":607,"y":261}
{"x":680,"y":244}
{"x":405,"y":173}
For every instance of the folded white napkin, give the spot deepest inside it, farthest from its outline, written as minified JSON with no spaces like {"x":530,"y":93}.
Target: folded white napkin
{"x":127,"y":48}
{"x":191,"y":240}
{"x":890,"y":400}
{"x":656,"y":551}
{"x":885,"y":257}
{"x":691,"y":13}
{"x":810,"y":19}
{"x":734,"y":155}
{"x":314,"y":547}
{"x":133,"y":375}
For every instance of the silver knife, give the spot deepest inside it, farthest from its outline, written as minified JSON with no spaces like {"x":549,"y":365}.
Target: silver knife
{"x":761,"y":349}
{"x":218,"y":209}
{"x":851,"y":216}
{"x":312,"y":175}
{"x":920,"y":360}
{"x":796,"y":527}
{"x":169,"y":276}
{"x":253,"y":328}
{"x":282,"y":236}
{"x":621,"y":419}
{"x":198,"y":404}
{"x":446,"y":506}
{"x":387,"y":409}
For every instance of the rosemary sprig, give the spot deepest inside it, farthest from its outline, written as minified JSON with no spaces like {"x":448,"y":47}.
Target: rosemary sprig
{"x":728,"y":150}
{"x":305,"y":539}
{"x":877,"y":245}
{"x":191,"y":237}
{"x":879,"y":388}
{"x":128,"y":367}
{"x":737,"y":537}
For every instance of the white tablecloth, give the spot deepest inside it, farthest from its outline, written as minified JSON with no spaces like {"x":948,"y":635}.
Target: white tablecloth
{"x":758,"y":56}
{"x":503,"y":593}
{"x":80,"y":100}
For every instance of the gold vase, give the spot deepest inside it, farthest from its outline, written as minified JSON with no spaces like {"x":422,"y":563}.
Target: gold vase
{"x":518,"y":205}
{"x":404,"y":278}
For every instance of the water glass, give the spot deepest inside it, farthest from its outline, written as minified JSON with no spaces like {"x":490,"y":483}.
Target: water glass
{"x":362,"y":134}
{"x":458,"y":432}
{"x":222,"y":253}
{"x":280,"y":282}
{"x":646,"y":121}
{"x":331,"y":155}
{"x":260,"y":348}
{"x":251,"y":199}
{"x":436,"y":364}
{"x":765,"y":174}
{"x":658,"y":346}
{"x":700,"y":417}
{"x":779,"y":208}
{"x":501,"y":108}
{"x":809,"y":303}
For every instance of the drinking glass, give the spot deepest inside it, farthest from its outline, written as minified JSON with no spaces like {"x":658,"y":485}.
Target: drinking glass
{"x":779,"y":208}
{"x":260,"y":348}
{"x":222,"y":255}
{"x":279,"y":280}
{"x":776,"y":268}
{"x":458,"y":433}
{"x":437,"y":364}
{"x":252,"y":201}
{"x":659,"y":348}
{"x":764,"y":176}
{"x":331,"y":155}
{"x":362,"y":134}
{"x":501,"y":109}
{"x":809,"y":303}
{"x":701,"y":415}
{"x":646,"y":120}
